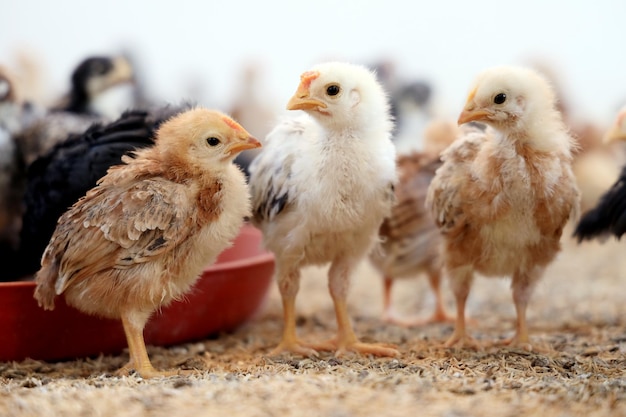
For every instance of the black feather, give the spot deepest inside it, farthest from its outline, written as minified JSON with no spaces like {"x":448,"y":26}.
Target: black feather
{"x":609,"y":216}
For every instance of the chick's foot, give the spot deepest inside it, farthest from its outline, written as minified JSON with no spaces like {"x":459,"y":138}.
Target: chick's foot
{"x":341,"y":348}
{"x":296,"y":347}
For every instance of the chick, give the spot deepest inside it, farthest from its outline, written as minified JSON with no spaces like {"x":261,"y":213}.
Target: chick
{"x":414,"y":113}
{"x":321,"y":188}
{"x":94,"y":83}
{"x":502,"y":197}
{"x":141,"y":237}
{"x":609,"y":215}
{"x":410,"y":239}
{"x":91,"y":80}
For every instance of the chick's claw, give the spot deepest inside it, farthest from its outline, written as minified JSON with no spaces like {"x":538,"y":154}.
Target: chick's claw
{"x":515,"y":342}
{"x":462,"y":340}
{"x":376,"y":349}
{"x":148,"y":372}
{"x":295,"y":347}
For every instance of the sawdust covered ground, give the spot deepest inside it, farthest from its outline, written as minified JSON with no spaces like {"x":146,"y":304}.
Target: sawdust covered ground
{"x":577,"y":319}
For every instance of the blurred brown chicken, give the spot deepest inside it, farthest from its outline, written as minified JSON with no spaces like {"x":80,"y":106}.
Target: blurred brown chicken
{"x":141,"y":237}
{"x":410,"y":239}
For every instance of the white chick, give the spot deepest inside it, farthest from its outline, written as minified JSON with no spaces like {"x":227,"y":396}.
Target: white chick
{"x":321,"y":189}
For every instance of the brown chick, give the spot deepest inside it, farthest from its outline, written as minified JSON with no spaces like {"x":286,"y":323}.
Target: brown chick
{"x":410,"y":239}
{"x":502,"y":197}
{"x":141,"y":237}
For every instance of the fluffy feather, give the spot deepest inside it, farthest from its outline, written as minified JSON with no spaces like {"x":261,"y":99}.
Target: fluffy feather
{"x":322,"y":186}
{"x":502,"y":197}
{"x":141,"y":237}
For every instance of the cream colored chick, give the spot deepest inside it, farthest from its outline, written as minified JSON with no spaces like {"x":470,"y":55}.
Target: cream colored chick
{"x":321,"y":189}
{"x":142,"y":236}
{"x":502,"y":197}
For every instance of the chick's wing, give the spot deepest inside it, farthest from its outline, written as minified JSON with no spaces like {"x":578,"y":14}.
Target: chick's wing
{"x":409,"y":215}
{"x":118,"y":227}
{"x":452,"y":185}
{"x":274,"y":184}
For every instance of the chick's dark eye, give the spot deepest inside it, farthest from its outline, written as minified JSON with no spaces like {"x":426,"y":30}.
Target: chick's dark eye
{"x":213,"y":141}
{"x":332,"y":90}
{"x":499,"y":98}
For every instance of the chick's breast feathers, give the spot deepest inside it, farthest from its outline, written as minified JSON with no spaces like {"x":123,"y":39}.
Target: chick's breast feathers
{"x":501,"y":204}
{"x":308,"y":185}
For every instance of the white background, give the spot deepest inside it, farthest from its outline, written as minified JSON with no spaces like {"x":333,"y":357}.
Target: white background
{"x":188,"y":48}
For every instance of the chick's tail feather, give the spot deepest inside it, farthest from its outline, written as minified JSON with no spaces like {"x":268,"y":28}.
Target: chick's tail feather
{"x":45,"y":293}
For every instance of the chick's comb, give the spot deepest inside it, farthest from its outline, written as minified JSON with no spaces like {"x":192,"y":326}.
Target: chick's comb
{"x":307,"y":78}
{"x":233,"y":124}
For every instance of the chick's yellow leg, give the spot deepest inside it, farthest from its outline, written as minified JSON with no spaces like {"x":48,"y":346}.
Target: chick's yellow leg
{"x":439,"y":315}
{"x":461,"y":281}
{"x":523,"y":285}
{"x":346,"y":340}
{"x":139,"y":361}
{"x":288,"y":285}
{"x":389,"y":315}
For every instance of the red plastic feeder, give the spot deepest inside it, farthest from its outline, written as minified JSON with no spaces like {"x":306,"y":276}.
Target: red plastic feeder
{"x":228,"y":293}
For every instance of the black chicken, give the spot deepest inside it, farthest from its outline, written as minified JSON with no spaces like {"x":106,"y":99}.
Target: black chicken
{"x":58,"y":179}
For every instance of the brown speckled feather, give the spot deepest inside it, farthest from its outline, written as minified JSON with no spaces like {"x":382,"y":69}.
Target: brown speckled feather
{"x":410,"y":238}
{"x":164,"y":216}
{"x":526,"y":200}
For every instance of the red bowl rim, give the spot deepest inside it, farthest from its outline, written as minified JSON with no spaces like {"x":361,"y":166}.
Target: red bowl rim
{"x":218,"y":267}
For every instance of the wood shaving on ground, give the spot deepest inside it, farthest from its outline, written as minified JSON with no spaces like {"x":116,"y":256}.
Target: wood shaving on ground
{"x":577,"y":320}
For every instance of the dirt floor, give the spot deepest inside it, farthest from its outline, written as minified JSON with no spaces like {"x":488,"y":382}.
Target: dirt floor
{"x":577,"y":319}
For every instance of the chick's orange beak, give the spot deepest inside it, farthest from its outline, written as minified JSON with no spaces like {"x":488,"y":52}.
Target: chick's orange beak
{"x":472,"y":114}
{"x":302,"y":100}
{"x":304,"y":103}
{"x":242,"y":145}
